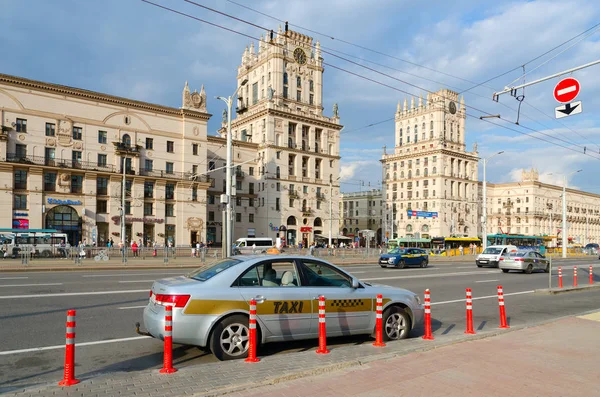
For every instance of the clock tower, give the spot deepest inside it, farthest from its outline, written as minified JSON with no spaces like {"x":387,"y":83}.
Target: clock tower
{"x":280,"y":112}
{"x":430,"y":172}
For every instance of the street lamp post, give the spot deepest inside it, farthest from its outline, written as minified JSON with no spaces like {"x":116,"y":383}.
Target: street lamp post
{"x":484,"y":237}
{"x":228,"y":210}
{"x":564,"y":215}
{"x":331,"y":208}
{"x":124,"y":257}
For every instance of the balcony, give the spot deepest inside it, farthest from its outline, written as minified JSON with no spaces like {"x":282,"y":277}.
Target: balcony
{"x":123,"y":149}
{"x":173,"y":175}
{"x":321,"y":196}
{"x":307,"y":211}
{"x":293,"y":194}
{"x":39,"y":160}
{"x":240,"y":174}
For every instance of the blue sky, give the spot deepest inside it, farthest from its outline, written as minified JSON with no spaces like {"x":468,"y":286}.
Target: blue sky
{"x":135,"y":50}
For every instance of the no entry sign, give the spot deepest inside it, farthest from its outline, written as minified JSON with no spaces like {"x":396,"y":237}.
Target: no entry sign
{"x":566,"y":90}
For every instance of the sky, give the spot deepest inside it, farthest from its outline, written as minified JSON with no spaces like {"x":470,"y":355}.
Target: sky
{"x":133,"y":49}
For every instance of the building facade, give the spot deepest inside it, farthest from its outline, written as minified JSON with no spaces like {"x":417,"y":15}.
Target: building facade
{"x":430,"y":180}
{"x":531,"y":207}
{"x":361,"y":211}
{"x":286,"y":151}
{"x":64,"y":153}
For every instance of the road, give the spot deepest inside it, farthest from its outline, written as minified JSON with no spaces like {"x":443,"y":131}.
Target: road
{"x":108,"y":304}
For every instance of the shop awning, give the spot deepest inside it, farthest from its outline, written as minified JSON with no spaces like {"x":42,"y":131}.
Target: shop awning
{"x":333,"y":237}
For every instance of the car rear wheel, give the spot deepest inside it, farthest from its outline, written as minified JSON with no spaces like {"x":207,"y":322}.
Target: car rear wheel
{"x":529,"y":269}
{"x":401,"y":264}
{"x":424,"y":262}
{"x":504,"y":270}
{"x":396,"y":324}
{"x":229,"y":339}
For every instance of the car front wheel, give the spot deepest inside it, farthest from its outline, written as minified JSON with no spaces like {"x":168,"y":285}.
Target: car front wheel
{"x":396,"y":324}
{"x":401,"y":264}
{"x":504,"y":270}
{"x":229,"y":340}
{"x":529,"y":269}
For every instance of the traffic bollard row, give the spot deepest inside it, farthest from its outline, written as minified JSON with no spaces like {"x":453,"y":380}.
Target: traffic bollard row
{"x":69,"y":372}
{"x":322,"y":328}
{"x":560,"y":284}
{"x":591,"y":275}
{"x":428,"y":334}
{"x":252,"y":334}
{"x":574,"y":276}
{"x":168,"y":353}
{"x":469,"y":329}
{"x":503,"y":323}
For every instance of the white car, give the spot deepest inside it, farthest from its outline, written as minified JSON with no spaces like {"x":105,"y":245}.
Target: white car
{"x":492,"y":254}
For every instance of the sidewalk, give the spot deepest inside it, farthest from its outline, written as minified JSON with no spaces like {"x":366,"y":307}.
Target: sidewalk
{"x":558,"y":358}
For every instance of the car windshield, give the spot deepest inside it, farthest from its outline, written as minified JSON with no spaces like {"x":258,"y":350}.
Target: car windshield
{"x":206,"y":272}
{"x":492,"y":251}
{"x":397,"y":251}
{"x":518,"y":254}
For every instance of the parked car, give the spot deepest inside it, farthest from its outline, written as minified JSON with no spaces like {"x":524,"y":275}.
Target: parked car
{"x":401,"y":258}
{"x":525,"y":261}
{"x":591,"y":249}
{"x":492,"y":255}
{"x":211,"y":304}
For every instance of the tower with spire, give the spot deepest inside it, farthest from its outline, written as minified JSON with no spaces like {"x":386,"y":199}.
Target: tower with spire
{"x":430,"y":169}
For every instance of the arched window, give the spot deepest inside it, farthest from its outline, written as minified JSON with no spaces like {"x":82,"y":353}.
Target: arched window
{"x":304,"y":205}
{"x":278,"y":173}
{"x":409,"y":174}
{"x":126,"y":140}
{"x":434,"y":171}
{"x":285,"y":78}
{"x":402,"y":174}
{"x":409,"y":228}
{"x":291,"y":221}
{"x":417,"y":173}
{"x":431,"y":125}
{"x":298,"y":82}
{"x":395,"y":175}
{"x":387,"y":176}
{"x":425,"y":172}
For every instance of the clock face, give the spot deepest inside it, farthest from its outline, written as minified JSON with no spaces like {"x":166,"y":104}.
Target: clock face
{"x":452,"y":107}
{"x":300,"y":56}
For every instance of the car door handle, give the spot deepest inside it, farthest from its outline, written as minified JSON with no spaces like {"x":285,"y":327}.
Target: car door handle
{"x":260,"y":299}
{"x":316,"y":298}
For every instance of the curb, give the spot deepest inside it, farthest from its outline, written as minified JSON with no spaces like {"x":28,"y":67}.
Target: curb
{"x":319,"y":370}
{"x":558,"y":291}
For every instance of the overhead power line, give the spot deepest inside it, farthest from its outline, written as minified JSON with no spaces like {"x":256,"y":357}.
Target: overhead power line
{"x":375,"y":81}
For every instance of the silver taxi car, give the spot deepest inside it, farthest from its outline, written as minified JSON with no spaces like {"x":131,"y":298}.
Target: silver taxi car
{"x":211,"y":304}
{"x":526,"y":261}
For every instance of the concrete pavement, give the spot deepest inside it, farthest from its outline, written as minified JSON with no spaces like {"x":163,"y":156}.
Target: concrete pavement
{"x":555,"y":358}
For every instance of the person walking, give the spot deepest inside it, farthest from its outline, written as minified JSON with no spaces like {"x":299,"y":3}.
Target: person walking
{"x":461,"y":250}
{"x":134,"y":248}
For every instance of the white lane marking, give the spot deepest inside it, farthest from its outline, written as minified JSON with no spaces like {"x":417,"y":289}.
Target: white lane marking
{"x":100,"y":342}
{"x":26,"y":285}
{"x":427,"y":276}
{"x":566,"y":90}
{"x":134,"y":291}
{"x":483,"y":297}
{"x":13,"y":278}
{"x":132,"y":307}
{"x":137,"y":281}
{"x":465,"y":267}
{"x":485,"y":281}
{"x":128,"y":274}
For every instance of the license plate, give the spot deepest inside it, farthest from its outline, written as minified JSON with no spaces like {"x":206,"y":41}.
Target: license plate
{"x":483,"y":261}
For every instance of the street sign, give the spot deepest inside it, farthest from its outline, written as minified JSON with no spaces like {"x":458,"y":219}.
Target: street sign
{"x":566,"y":90}
{"x":568,"y":109}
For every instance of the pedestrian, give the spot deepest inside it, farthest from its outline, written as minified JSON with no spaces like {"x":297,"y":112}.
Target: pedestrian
{"x":193,"y":251}
{"x":134,"y":248}
{"x":311,"y":249}
{"x":198,"y":246}
{"x":254,"y":248}
{"x":461,"y":249}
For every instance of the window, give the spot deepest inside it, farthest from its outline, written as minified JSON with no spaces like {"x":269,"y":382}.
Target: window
{"x":147,"y":209}
{"x":195,"y":149}
{"x":285,"y":78}
{"x":298,"y":95}
{"x":101,"y":160}
{"x":169,"y":167}
{"x":298,"y":82}
{"x":149,"y":165}
{"x":76,"y":157}
{"x":251,"y":202}
{"x":169,"y":191}
{"x":251,"y":171}
{"x":148,"y":189}
{"x":170,"y":147}
{"x":169,"y":209}
{"x":238,"y":217}
{"x":211,"y":199}
{"x":127,"y":208}
{"x":280,"y":273}
{"x":251,"y":218}
{"x":20,"y":179}
{"x":20,"y":201}
{"x":126,"y":140}
{"x":251,"y":188}
{"x":319,"y":274}
{"x":285,"y":92}
{"x":49,"y":156}
{"x":311,"y":85}
{"x":101,"y":186}
{"x":254,"y":93}
{"x":21,"y":125}
{"x":49,"y":181}
{"x":50,"y":129}
{"x":76,"y":183}
{"x":277,"y":204}
{"x":211,"y":216}
{"x":77,"y":133}
{"x":194,"y":169}
{"x":194,"y":193}
{"x":238,"y":201}
{"x":102,"y":136}
{"x":101,"y":206}
{"x":291,"y":203}
{"x":149,"y":143}
{"x":238,"y":185}
{"x":211,"y":165}
{"x":311,"y":99}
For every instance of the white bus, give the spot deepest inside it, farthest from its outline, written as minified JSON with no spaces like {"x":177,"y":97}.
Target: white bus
{"x":252,"y":245}
{"x":38,"y":244}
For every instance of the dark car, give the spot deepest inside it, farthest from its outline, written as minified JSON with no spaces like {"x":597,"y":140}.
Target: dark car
{"x":399,"y":257}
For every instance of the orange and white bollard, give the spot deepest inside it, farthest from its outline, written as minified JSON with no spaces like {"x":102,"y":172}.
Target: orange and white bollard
{"x":322,"y":328}
{"x":379,"y":322}
{"x":574,"y":276}
{"x":503,"y":323}
{"x":469,"y":329}
{"x":428,"y":334}
{"x":69,"y":373}
{"x":252,"y":334}
{"x":560,"y":285}
{"x":168,"y":353}
{"x":591,"y":274}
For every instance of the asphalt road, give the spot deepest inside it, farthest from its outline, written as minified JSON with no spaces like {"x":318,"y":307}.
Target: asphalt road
{"x":109,"y":303}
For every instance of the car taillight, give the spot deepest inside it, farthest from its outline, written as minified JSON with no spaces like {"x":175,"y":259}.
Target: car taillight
{"x":150,"y":294}
{"x":174,"y":300}
{"x":518,"y":259}
{"x":501,"y":259}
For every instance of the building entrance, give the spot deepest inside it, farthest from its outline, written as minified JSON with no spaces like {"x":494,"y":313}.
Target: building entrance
{"x":65,"y":219}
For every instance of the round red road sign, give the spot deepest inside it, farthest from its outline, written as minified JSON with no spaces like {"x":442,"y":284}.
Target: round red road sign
{"x":566,"y":90}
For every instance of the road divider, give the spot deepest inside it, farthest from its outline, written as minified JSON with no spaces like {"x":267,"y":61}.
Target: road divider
{"x":503,"y":323}
{"x":168,"y":349}
{"x":469,"y":304}
{"x":322,"y":328}
{"x":28,"y":285}
{"x":56,"y":347}
{"x":591,"y":272}
{"x":158,"y":273}
{"x":482,"y":297}
{"x":429,"y":276}
{"x":13,"y":278}
{"x":135,"y":291}
{"x":252,"y":334}
{"x":486,"y":281}
{"x":574,"y":276}
{"x":379,"y":322}
{"x":427,"y":303}
{"x":69,"y":372}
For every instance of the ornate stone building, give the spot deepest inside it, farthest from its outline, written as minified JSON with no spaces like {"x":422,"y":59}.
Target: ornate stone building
{"x":430,"y":179}
{"x":362,"y":211}
{"x":63,"y":152}
{"x":286,"y":151}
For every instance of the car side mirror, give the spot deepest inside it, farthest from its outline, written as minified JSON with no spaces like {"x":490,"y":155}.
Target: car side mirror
{"x":355,"y":284}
